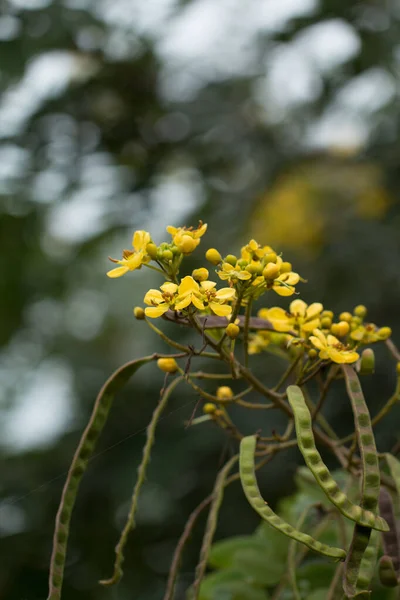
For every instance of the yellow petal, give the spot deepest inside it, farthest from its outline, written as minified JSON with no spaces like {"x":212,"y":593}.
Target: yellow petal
{"x":172,"y":230}
{"x":336,"y":356}
{"x":118,"y":272}
{"x":184,"y":302}
{"x":298,"y":308}
{"x":197,"y":302}
{"x":243,"y":275}
{"x":134,"y":261}
{"x":188,"y":284}
{"x":282,"y":290}
{"x":332,"y":340}
{"x":207,"y":285}
{"x":350,"y":356}
{"x":140,"y":239}
{"x":225,"y":294}
{"x":223,"y":276}
{"x":290,"y":278}
{"x":156,"y":311}
{"x":311,"y":325}
{"x":314,"y":310}
{"x":153,"y":297}
{"x":279,"y":319}
{"x":222,"y":310}
{"x":318,"y":333}
{"x":200,"y":231}
{"x":263,"y":313}
{"x":317,"y":342}
{"x":169,"y":287}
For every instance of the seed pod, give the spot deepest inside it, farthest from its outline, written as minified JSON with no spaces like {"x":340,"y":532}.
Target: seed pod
{"x":387,"y":574}
{"x":394,"y":467}
{"x":253,"y":495}
{"x":80,"y":460}
{"x":313,"y":459}
{"x":366,"y":443}
{"x":368,"y":563}
{"x":391,"y":542}
{"x":370,"y":483}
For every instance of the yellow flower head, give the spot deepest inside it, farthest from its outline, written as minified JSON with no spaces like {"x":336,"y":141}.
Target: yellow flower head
{"x":187,"y":239}
{"x":132,"y":260}
{"x":330,"y":348}
{"x":160,"y":301}
{"x":283,"y":283}
{"x":367,"y":334}
{"x":202,"y":296}
{"x":233,"y":273}
{"x":254,"y":251}
{"x":300,"y":317}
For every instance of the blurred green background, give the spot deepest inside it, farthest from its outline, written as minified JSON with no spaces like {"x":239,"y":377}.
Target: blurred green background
{"x":274,"y":119}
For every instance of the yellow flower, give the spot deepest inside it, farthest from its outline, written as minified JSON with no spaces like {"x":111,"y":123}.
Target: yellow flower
{"x":300,"y":317}
{"x":204,"y":295}
{"x":367,"y":334}
{"x":189,"y":292}
{"x":160,"y":301}
{"x":233,"y":273}
{"x":132,"y":260}
{"x":187,"y":239}
{"x":253,"y":250}
{"x":330,"y":348}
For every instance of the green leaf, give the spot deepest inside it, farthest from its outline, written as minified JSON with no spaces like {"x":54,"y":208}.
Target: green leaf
{"x":229,"y":585}
{"x":255,"y":558}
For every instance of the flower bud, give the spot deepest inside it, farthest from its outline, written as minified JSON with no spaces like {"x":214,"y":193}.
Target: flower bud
{"x":254,"y":268}
{"x":340,"y":329}
{"x":209,"y":408}
{"x":224,"y":393}
{"x":384,"y":333}
{"x":167,"y":255}
{"x":200,"y":274}
{"x":187,"y":244}
{"x":286,"y":267}
{"x":360,"y":311}
{"x":367,"y":365}
{"x":232,"y":330}
{"x":231,"y":259}
{"x":312,"y":354}
{"x":356,"y":320}
{"x":151,"y":250}
{"x":345,"y":316}
{"x":398,"y":368}
{"x":270,"y":257}
{"x":168,"y":365}
{"x":213,"y":256}
{"x":326,"y":322}
{"x":242,"y":262}
{"x":139,"y":313}
{"x":271,"y":271}
{"x":327,"y":313}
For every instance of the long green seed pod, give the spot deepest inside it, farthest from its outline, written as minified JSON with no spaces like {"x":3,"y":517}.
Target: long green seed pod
{"x":394,"y":467}
{"x":320,"y":471}
{"x":368,"y":563}
{"x":130,"y":521}
{"x":387,"y":574}
{"x":211,"y":526}
{"x":370,"y":481}
{"x":366,"y":442}
{"x":253,"y":495}
{"x":391,"y":542}
{"x":352,"y":565}
{"x":78,"y":466}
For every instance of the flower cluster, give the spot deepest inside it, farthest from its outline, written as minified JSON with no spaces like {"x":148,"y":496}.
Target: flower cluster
{"x":302,"y":328}
{"x":312,"y":327}
{"x":202,"y":296}
{"x":258,"y":269}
